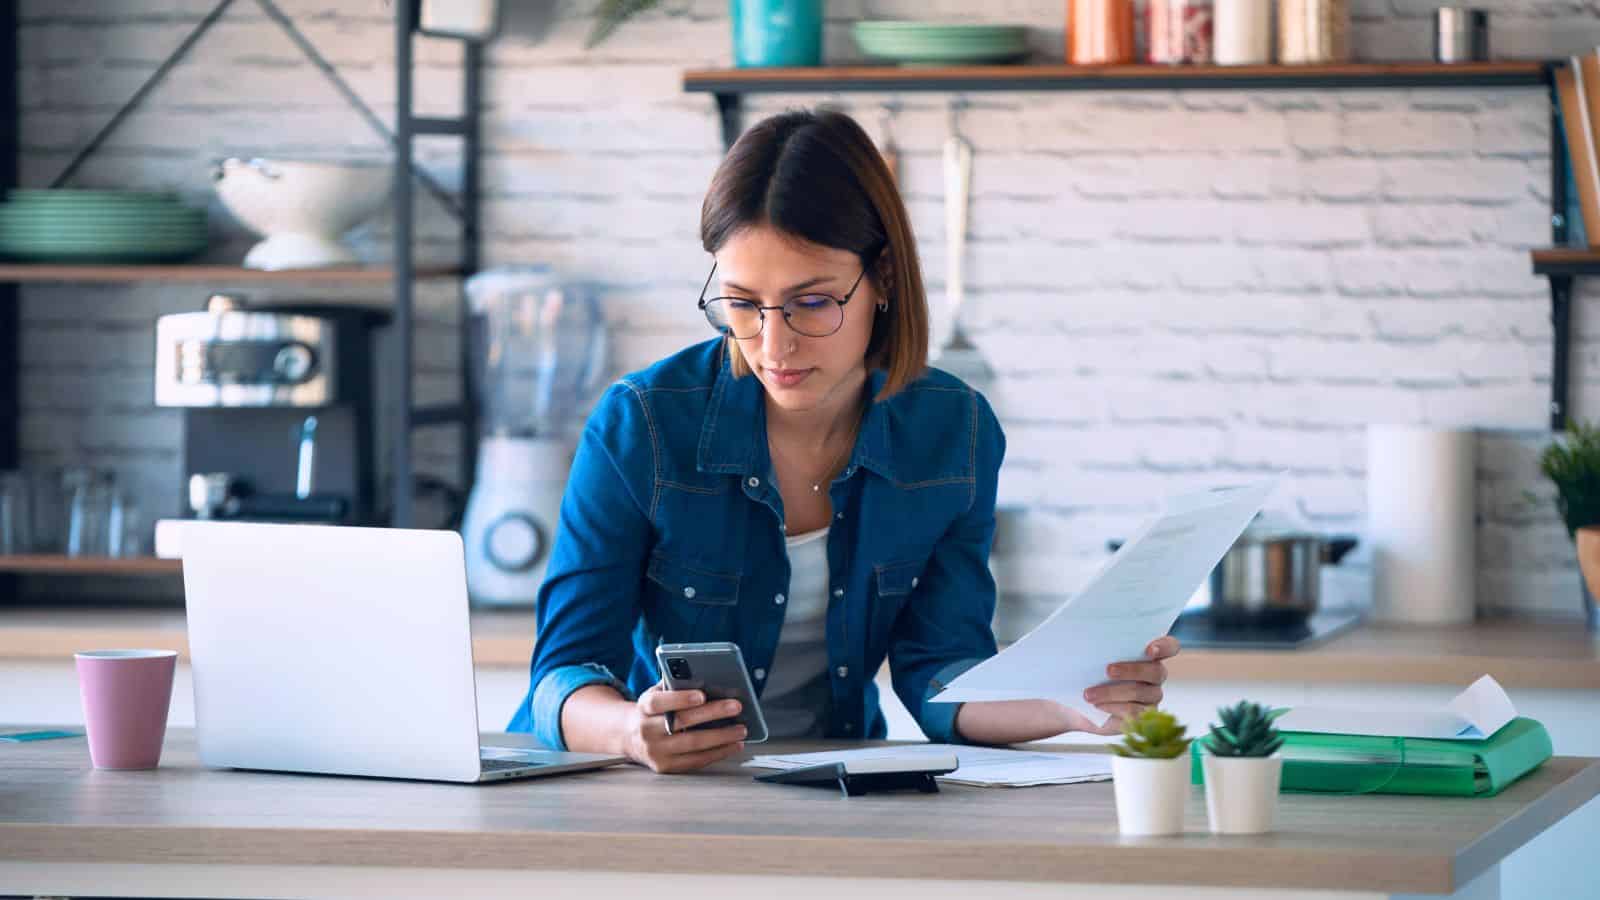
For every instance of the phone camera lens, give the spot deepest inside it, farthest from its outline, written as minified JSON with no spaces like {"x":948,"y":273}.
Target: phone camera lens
{"x":679,"y":668}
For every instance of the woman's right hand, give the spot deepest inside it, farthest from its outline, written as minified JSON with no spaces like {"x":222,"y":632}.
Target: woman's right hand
{"x":650,"y":742}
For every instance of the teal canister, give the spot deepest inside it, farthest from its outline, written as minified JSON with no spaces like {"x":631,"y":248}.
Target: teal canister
{"x":776,"y":32}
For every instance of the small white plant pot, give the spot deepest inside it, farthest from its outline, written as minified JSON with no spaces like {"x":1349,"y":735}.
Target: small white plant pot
{"x":1151,"y":794}
{"x":1242,"y":792}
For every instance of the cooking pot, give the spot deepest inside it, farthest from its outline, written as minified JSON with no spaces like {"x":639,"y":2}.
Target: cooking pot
{"x":1271,"y":577}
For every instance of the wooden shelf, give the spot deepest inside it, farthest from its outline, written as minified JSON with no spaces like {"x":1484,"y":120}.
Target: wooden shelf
{"x":43,"y":564}
{"x":1566,"y":261}
{"x":1523,"y":73}
{"x":55,"y":272}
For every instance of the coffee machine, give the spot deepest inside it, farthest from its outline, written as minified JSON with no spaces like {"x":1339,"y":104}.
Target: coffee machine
{"x":278,"y":407}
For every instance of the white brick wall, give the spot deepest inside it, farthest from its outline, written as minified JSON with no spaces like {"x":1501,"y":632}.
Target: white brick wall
{"x":1177,"y":289}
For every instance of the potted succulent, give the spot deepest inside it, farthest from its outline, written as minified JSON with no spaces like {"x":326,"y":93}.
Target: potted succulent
{"x":1150,"y":774}
{"x":1242,"y":770}
{"x":1574,"y":466}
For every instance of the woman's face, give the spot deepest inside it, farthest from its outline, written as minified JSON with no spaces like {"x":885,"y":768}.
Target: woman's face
{"x":768,"y":267}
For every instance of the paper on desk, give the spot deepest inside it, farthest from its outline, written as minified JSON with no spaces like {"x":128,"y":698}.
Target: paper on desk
{"x":980,"y":766}
{"x":1474,"y":714}
{"x":1133,"y":599}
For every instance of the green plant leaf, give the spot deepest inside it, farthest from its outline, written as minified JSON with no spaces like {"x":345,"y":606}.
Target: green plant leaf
{"x":1572,"y":463}
{"x":1246,"y":730}
{"x":610,"y":14}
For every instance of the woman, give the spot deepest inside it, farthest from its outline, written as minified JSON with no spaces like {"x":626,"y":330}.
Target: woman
{"x":802,"y":486}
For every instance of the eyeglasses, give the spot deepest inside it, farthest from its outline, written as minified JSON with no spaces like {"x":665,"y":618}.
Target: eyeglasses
{"x":812,"y":314}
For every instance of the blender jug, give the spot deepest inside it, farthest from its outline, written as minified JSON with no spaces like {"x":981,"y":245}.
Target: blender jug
{"x":539,"y":353}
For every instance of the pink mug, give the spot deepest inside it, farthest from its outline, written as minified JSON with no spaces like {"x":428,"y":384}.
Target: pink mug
{"x":126,"y":694}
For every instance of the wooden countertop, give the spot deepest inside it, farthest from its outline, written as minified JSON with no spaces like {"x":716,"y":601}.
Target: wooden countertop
{"x":1518,"y":654}
{"x":626,"y":819}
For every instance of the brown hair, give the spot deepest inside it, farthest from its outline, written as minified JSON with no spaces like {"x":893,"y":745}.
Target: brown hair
{"x":817,"y":176}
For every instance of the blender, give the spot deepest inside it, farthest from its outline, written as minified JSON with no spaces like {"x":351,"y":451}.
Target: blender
{"x":539,"y":353}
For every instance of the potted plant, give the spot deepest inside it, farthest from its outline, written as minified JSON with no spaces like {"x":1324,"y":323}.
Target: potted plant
{"x":1150,"y":774}
{"x":1574,"y":466}
{"x":1242,"y":772}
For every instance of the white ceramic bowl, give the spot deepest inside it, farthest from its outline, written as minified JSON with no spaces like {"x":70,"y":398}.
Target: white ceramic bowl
{"x":301,"y":208}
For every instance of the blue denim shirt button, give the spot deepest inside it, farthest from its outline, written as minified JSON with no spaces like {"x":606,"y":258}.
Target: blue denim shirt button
{"x":688,"y":592}
{"x":843,"y":671}
{"x":778,"y":599}
{"x":754,"y":482}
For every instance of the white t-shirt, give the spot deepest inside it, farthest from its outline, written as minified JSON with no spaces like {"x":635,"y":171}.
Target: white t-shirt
{"x":797,"y":693}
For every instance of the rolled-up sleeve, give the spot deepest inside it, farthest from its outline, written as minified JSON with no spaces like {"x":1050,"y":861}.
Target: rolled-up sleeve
{"x":946,"y":626}
{"x":589,"y":602}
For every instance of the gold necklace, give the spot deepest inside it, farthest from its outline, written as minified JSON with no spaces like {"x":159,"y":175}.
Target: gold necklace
{"x":850,"y":443}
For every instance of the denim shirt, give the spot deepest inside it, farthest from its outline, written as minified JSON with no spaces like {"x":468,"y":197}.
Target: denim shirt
{"x":671,"y":529}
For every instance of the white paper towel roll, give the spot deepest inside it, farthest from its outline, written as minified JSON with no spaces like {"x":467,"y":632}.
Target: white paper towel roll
{"x":1421,"y":523}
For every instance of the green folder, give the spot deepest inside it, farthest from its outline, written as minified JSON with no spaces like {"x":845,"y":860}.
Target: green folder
{"x":1362,"y":764}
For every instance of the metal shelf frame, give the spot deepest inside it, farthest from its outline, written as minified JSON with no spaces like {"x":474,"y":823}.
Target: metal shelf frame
{"x":402,"y":276}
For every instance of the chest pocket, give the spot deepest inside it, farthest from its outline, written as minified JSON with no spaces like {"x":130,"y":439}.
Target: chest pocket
{"x":898,"y":579}
{"x":693,"y":585}
{"x":692,"y":603}
{"x":894,"y":583}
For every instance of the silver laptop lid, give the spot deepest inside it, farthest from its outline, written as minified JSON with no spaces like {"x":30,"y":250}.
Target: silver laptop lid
{"x":331,"y":649}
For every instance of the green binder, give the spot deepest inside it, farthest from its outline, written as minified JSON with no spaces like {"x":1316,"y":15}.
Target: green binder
{"x":1363,"y":764}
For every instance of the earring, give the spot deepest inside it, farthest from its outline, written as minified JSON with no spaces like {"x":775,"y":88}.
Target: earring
{"x":883,"y":306}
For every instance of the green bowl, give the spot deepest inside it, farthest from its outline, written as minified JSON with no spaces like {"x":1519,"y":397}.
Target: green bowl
{"x":96,"y":256}
{"x":91,"y":195}
{"x":921,"y":53}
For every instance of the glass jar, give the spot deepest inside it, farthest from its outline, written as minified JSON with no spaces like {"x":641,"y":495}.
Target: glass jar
{"x":1241,"y":32}
{"x":16,"y":513}
{"x":1313,"y":31}
{"x":1179,"y":31}
{"x":1099,"y":32}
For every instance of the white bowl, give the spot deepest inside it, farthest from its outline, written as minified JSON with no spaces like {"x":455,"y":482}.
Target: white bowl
{"x":301,"y":208}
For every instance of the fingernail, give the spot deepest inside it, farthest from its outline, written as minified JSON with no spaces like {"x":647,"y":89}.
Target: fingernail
{"x":743,"y":731}
{"x":733,"y":706}
{"x":697,"y":697}
{"x":1089,"y":695}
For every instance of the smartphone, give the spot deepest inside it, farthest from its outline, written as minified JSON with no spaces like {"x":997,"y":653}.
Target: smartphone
{"x":716,"y":668}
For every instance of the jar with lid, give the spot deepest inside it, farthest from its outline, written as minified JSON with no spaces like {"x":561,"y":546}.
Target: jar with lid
{"x":1100,"y":32}
{"x":1313,"y":31}
{"x":1179,"y":31}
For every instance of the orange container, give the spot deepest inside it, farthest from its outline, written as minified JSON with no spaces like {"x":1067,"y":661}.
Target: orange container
{"x":1099,"y":32}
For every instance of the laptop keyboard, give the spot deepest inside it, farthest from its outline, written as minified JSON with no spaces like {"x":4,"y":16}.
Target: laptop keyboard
{"x":500,"y":765}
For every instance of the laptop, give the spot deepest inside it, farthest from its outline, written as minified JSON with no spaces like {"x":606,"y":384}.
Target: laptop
{"x":340,"y":651}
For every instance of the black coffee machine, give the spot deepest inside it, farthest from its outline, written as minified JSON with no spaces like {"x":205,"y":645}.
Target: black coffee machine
{"x":279,"y":409}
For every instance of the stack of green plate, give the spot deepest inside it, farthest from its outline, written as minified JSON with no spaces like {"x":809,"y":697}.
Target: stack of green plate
{"x":99,"y":226}
{"x":930,"y":43}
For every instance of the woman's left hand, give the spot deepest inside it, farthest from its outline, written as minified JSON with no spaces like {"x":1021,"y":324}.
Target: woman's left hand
{"x":1132,"y":688}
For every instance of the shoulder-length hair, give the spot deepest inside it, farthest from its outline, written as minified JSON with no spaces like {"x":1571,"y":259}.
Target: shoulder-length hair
{"x":816,"y":175}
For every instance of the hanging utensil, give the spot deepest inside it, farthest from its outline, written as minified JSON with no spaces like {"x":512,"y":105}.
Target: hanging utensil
{"x":886,"y":147}
{"x":958,"y":356}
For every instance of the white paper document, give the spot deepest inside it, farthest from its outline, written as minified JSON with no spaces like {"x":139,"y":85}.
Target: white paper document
{"x":1475,"y":713}
{"x":980,"y":766}
{"x":1132,"y":600}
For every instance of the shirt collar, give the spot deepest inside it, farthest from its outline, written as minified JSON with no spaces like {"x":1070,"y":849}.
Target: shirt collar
{"x":732,"y":436}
